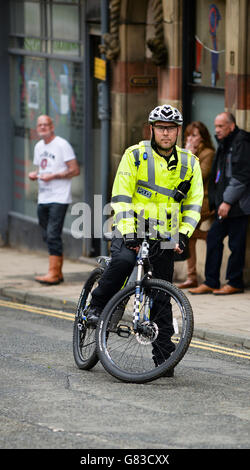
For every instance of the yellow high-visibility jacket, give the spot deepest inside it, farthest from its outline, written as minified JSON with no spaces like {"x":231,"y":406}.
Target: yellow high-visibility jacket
{"x":144,"y":182}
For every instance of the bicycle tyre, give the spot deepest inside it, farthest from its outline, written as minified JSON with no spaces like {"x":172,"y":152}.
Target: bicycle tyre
{"x":116,"y":351}
{"x":84,"y":346}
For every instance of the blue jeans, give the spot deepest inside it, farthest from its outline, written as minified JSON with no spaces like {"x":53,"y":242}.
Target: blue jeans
{"x":51,"y":219}
{"x":236,"y":230}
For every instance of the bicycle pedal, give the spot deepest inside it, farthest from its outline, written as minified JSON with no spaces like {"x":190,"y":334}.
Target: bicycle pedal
{"x":124,"y":331}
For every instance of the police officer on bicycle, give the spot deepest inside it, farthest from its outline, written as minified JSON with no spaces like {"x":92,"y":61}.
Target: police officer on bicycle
{"x":152,"y":176}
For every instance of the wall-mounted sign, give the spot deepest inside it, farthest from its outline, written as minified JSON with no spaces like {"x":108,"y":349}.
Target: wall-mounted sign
{"x":143,"y":80}
{"x":100,"y":68}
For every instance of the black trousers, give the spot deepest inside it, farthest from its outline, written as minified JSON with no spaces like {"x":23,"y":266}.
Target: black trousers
{"x":236,"y":230}
{"x":121,"y":265}
{"x":51,"y":218}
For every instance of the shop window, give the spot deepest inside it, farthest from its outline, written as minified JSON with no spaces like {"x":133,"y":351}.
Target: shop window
{"x":43,"y":83}
{"x":25,"y":18}
{"x":65,"y":29}
{"x":47,"y":26}
{"x":210,"y":44}
{"x":65,"y":22}
{"x":25,"y":25}
{"x":65,"y":106}
{"x":203,"y":61}
{"x":27,"y":102}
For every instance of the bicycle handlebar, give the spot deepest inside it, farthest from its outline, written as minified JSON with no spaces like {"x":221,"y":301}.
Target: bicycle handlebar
{"x":145,"y":227}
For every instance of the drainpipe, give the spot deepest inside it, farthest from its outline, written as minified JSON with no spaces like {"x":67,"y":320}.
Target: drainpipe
{"x":104,"y":116}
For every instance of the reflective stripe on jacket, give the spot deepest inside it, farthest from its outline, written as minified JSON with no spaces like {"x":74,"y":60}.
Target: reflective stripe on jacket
{"x":144,"y":182}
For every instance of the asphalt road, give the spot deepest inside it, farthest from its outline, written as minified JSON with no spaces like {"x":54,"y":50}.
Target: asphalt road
{"x":47,"y":403}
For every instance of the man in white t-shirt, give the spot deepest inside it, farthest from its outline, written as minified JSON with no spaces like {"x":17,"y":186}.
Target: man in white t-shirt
{"x":56,"y":166}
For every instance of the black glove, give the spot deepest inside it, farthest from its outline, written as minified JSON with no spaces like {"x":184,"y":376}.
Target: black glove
{"x":131,"y":240}
{"x":183,"y":241}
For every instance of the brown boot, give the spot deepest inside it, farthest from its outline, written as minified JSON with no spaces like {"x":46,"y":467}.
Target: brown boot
{"x":187,"y":284}
{"x":61,"y":274}
{"x":54,"y":275}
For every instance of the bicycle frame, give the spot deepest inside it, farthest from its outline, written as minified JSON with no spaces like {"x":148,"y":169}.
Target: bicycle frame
{"x":142,"y":265}
{"x":141,"y":271}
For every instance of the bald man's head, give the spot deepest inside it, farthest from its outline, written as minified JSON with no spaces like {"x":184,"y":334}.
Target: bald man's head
{"x":224,"y":124}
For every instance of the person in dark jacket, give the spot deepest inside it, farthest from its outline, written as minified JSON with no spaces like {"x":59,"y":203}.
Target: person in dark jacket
{"x":229,"y":196}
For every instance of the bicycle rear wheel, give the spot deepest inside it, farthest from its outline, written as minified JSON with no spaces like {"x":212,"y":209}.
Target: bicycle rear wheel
{"x":164,"y":334}
{"x":84,"y":345}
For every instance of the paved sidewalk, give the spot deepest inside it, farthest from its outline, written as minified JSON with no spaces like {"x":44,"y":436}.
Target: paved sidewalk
{"x":222,"y":319}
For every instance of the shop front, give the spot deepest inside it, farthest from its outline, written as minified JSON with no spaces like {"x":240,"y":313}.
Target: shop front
{"x":190,"y":54}
{"x":51,"y":49}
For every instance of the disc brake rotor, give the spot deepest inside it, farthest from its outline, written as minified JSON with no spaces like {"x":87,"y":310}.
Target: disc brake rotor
{"x":148,"y":332}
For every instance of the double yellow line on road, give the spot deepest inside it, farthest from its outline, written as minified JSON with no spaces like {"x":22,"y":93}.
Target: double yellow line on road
{"x":70,"y":316}
{"x":39,"y":310}
{"x":220,"y":349}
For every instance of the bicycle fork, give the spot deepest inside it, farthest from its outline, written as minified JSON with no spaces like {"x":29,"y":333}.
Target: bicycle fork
{"x":139,"y":289}
{"x":137,"y":299}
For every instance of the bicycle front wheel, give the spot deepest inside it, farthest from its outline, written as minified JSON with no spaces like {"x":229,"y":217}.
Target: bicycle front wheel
{"x":84,"y":345}
{"x":160,"y":340}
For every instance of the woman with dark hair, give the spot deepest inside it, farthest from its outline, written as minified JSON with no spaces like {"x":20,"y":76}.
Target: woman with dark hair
{"x":197,"y":139}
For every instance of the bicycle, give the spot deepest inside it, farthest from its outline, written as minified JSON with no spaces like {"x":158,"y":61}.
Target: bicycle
{"x":84,"y":344}
{"x":131,"y":326}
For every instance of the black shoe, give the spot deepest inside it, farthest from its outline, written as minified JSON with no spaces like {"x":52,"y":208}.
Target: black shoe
{"x":93,"y":315}
{"x":169,"y":373}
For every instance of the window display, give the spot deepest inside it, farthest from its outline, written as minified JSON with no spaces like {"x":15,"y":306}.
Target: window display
{"x":210,"y":44}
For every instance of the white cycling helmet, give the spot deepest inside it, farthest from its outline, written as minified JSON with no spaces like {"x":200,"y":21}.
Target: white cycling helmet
{"x":166,"y":113}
